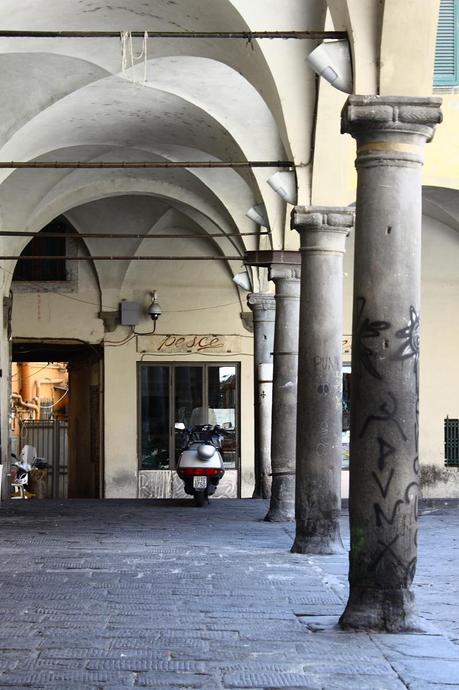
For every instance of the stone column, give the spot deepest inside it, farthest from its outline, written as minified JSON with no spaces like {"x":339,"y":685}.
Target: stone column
{"x":283,"y":440}
{"x":384,"y":483}
{"x":263,"y":307}
{"x":319,"y":422}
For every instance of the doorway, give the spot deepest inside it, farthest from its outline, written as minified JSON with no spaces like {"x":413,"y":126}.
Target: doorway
{"x":67,"y":432}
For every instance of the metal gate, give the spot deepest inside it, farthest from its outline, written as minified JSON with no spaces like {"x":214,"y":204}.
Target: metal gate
{"x":50,"y":438}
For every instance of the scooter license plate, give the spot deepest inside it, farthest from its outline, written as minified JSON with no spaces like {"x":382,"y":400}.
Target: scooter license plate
{"x":199,"y":482}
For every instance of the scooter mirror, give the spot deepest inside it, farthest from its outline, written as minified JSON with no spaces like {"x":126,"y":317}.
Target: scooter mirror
{"x":180,"y":426}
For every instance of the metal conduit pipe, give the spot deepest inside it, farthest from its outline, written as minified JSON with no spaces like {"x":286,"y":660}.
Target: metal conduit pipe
{"x":122,"y":258}
{"x":129,"y":235}
{"x":241,"y":35}
{"x":142,"y":165}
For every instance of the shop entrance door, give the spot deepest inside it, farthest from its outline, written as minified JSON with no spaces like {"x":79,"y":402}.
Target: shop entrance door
{"x":193,"y":394}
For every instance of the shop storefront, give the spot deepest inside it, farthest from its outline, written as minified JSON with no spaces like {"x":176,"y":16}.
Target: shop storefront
{"x":192,"y":393}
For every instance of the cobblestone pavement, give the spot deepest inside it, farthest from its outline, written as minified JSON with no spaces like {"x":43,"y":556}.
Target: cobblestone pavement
{"x":123,"y":594}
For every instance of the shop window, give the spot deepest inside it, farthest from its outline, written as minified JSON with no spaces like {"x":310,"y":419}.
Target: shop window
{"x":41,"y":269}
{"x":192,"y":394}
{"x":446,"y":71}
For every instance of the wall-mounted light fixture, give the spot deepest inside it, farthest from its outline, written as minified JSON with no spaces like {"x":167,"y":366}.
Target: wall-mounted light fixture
{"x":332,"y":62}
{"x":284,"y":184}
{"x":258,"y":215}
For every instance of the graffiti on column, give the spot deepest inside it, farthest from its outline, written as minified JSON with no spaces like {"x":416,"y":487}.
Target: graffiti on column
{"x":387,"y":413}
{"x":370,"y":349}
{"x":368,"y":330}
{"x":409,"y":349}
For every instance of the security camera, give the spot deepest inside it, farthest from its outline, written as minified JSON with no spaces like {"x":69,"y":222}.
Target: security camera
{"x":258,"y":215}
{"x":332,"y":61}
{"x":284,"y":184}
{"x":154,"y":310}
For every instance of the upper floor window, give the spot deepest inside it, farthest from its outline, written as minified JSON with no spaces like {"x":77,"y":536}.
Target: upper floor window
{"x":40,"y":269}
{"x":446,"y":71}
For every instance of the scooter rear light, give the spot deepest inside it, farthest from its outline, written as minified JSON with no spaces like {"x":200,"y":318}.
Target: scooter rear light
{"x":200,"y":471}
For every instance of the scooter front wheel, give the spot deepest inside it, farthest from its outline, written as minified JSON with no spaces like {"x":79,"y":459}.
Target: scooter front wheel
{"x":200,"y":499}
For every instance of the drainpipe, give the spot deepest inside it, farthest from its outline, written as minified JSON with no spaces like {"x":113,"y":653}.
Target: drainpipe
{"x":28,"y":406}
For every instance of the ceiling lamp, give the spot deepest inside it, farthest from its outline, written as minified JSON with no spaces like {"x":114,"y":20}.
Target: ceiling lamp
{"x":242,"y":280}
{"x":258,"y":215}
{"x":332,"y":62}
{"x":284,"y":184}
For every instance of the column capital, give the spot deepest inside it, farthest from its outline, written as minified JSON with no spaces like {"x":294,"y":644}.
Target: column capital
{"x":261,"y":302}
{"x":391,"y":113}
{"x":285,"y":272}
{"x":322,"y":229}
{"x":390,"y":128}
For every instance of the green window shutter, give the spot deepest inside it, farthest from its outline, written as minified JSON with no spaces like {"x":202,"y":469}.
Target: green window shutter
{"x":446,"y":72}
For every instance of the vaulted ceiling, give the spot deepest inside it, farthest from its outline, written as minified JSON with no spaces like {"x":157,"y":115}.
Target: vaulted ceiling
{"x":188,"y":99}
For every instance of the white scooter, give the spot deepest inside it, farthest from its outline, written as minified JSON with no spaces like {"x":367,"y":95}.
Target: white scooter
{"x":22,"y":467}
{"x":200,"y":464}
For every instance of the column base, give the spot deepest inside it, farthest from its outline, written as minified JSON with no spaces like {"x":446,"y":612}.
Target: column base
{"x":388,"y":610}
{"x":282,"y":507}
{"x":323,"y":546}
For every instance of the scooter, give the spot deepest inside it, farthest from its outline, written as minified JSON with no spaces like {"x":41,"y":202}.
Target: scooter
{"x":200,"y":464}
{"x":21,"y":467}
{"x":27,"y":461}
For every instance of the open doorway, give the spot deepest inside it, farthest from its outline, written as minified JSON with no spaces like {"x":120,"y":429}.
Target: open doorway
{"x":56,"y":407}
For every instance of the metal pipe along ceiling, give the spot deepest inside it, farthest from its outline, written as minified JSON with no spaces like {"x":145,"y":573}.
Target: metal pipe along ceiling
{"x":129,"y":235}
{"x":153,"y":165}
{"x":241,"y":35}
{"x":122,"y":258}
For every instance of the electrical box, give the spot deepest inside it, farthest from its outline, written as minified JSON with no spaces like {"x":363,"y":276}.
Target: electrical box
{"x":130,"y":313}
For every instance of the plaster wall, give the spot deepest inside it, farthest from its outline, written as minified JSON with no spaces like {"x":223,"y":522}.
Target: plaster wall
{"x":441,"y":168}
{"x":439,"y":382}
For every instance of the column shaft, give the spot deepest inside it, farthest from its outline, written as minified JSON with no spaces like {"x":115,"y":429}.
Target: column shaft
{"x":384,"y":482}
{"x":319,"y":423}
{"x":283,"y":440}
{"x":263,"y":307}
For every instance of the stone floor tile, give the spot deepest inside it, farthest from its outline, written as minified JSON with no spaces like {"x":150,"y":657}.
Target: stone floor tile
{"x":122,"y":594}
{"x":432,"y":671}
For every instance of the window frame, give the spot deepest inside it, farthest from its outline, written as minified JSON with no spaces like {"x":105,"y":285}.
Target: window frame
{"x":447,"y":79}
{"x":172,"y":367}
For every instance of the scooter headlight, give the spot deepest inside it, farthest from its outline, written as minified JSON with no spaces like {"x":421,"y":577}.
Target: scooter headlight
{"x":205,"y":452}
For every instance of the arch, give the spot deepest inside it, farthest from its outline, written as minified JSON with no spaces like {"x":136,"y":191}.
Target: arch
{"x":408,"y":47}
{"x":442,"y":204}
{"x":392,"y":44}
{"x":363,"y":22}
{"x":64,"y":204}
{"x":160,"y":15}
